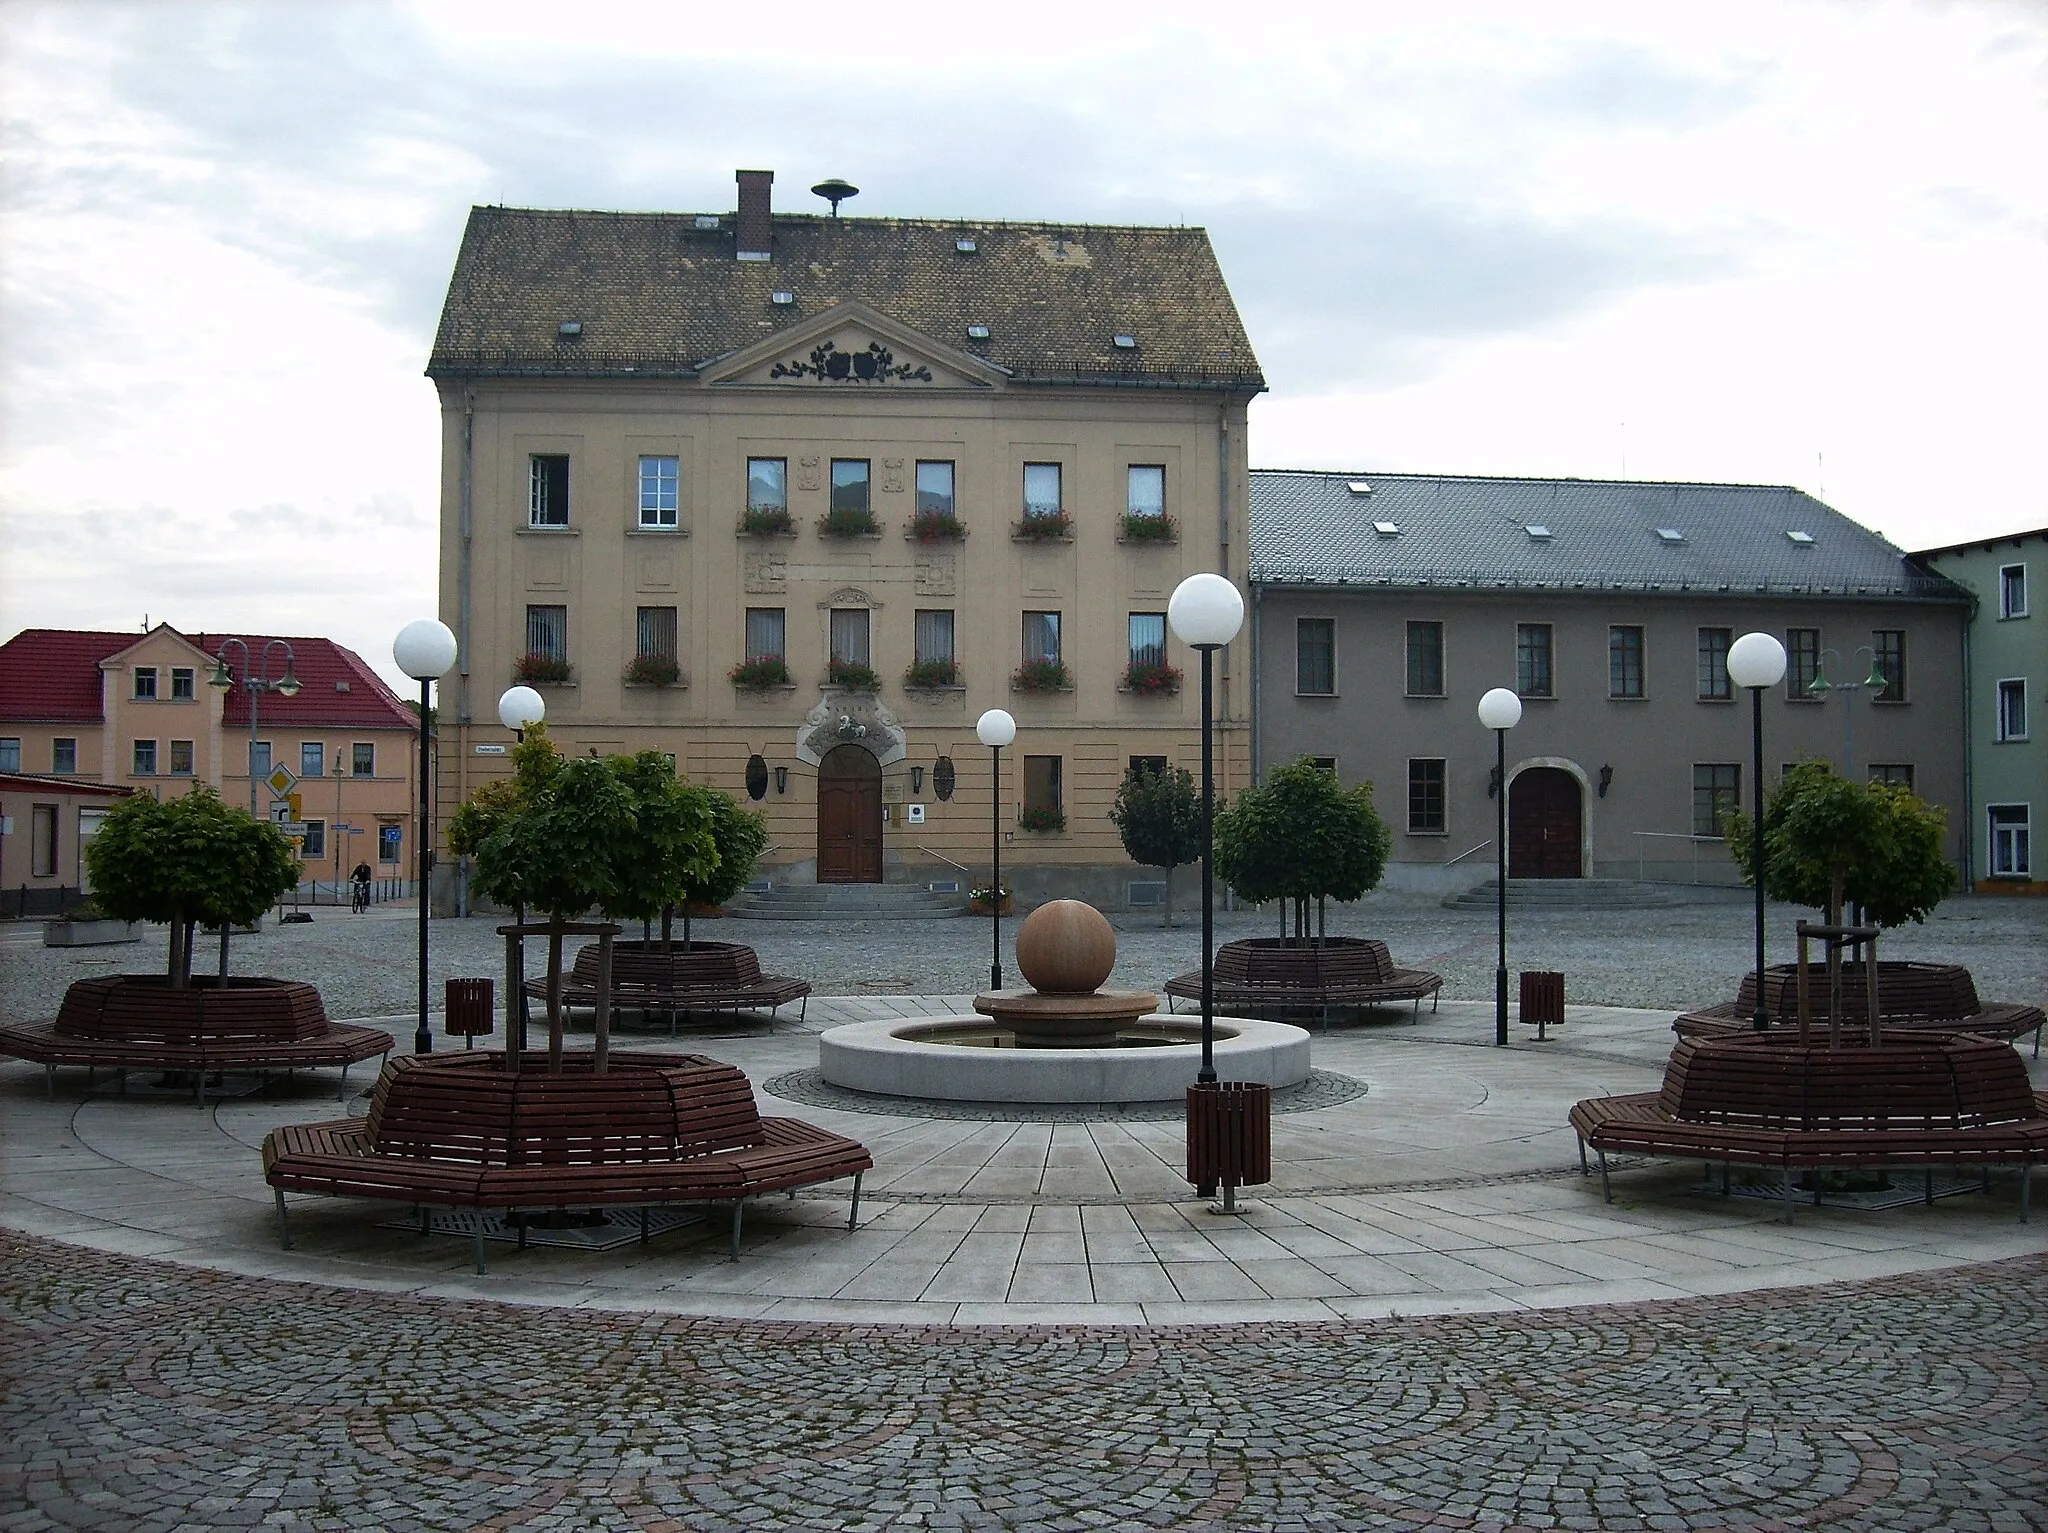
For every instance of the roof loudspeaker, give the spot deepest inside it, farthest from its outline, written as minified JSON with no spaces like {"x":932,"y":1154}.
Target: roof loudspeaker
{"x":835,"y":191}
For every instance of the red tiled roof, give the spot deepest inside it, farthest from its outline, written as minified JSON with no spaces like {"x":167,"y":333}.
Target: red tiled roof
{"x":51,"y":675}
{"x":75,"y":787}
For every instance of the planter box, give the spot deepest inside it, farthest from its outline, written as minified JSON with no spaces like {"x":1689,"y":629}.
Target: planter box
{"x":87,"y":933}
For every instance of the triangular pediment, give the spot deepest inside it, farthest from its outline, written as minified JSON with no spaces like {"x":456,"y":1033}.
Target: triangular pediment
{"x":851,"y":346}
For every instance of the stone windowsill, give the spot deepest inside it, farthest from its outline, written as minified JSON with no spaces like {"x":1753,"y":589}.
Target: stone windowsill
{"x":528,"y":530}
{"x":658,"y":532}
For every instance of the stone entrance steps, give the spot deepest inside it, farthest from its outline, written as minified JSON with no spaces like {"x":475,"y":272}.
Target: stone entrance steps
{"x":1568,"y":894}
{"x":848,"y":902}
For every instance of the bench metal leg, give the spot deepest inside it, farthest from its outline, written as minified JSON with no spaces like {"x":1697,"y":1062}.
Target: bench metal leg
{"x":421,"y":1210}
{"x":479,"y":1243}
{"x":1606,"y":1189}
{"x":853,"y":1213}
{"x":50,"y":1082}
{"x":1583,"y":1169}
{"x":2026,"y":1189}
{"x":342,"y":1095}
{"x":643,"y":1224}
{"x":284,"y":1229}
{"x":738,"y":1207}
{"x":1928,"y":1187}
{"x":1791,"y":1200}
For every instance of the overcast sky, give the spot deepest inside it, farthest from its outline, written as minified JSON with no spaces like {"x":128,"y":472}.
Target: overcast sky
{"x":1789,"y":243}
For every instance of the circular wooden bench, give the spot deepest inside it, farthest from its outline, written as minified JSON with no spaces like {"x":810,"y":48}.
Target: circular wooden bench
{"x":696,"y":976}
{"x":1266,"y":976}
{"x":1938,"y":997}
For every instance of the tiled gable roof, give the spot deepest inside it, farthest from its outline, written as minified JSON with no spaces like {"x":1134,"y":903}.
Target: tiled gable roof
{"x":52,"y":675}
{"x":1312,"y":528}
{"x":657,"y":296}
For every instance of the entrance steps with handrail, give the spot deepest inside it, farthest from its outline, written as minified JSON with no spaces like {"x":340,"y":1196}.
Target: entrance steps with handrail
{"x":846,"y":902}
{"x":1568,"y":894}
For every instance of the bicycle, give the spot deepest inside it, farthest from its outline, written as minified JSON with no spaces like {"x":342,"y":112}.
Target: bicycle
{"x":359,"y":897}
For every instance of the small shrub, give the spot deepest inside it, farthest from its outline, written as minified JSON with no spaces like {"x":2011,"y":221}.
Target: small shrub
{"x":932,"y":673}
{"x":763,"y":520}
{"x":1041,"y":676}
{"x":847,"y":523}
{"x":853,"y":676}
{"x":1141,"y":528}
{"x":1152,"y":678}
{"x":987,"y":895}
{"x":1042,"y":817}
{"x":1045,"y":526}
{"x":540,"y":666}
{"x":653,"y":671}
{"x":759,"y":675}
{"x":937,"y":527}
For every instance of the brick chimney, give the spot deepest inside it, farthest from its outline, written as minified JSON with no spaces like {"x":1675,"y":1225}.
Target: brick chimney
{"x":754,"y":235}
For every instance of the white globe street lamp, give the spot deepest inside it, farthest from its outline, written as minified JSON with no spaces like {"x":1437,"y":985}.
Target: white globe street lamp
{"x":424,"y":650}
{"x":1500,"y":710}
{"x":1757,"y":661}
{"x":995,"y":729}
{"x":520,"y":708}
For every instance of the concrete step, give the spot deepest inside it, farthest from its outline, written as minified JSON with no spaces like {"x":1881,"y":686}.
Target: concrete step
{"x":847,"y":902}
{"x":1568,"y":894}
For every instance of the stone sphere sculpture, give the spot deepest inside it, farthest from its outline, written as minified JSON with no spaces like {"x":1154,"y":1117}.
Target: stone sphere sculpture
{"x":1065,"y":948}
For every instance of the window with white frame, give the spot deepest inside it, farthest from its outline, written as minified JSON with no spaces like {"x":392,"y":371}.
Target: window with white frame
{"x":1625,"y":660}
{"x":1042,"y":489}
{"x":181,"y":758}
{"x":1145,"y":494}
{"x":1533,"y":674}
{"x":850,"y":631}
{"x":935,"y":487}
{"x":1148,"y":638}
{"x":547,"y":632}
{"x":182,"y":684}
{"x":312,"y":758}
{"x":850,"y":486}
{"x":145,"y":682}
{"x":660,"y":490}
{"x":1041,"y":637}
{"x":1315,"y":656}
{"x":10,"y":754}
{"x":2008,"y":827}
{"x":259,"y":758}
{"x":145,"y":758}
{"x":63,"y":755}
{"x":547,"y":490}
{"x":654,"y":633}
{"x":1893,"y":774}
{"x":932,"y":635}
{"x":1425,"y":644}
{"x":314,"y":842}
{"x":363,"y":759}
{"x":764,"y":634}
{"x":1714,"y":683}
{"x":2012,"y":709}
{"x":767,"y":484}
{"x":2012,"y":590}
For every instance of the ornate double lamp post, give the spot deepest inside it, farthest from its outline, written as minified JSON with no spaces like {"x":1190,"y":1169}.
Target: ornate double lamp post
{"x":1757,"y":661}
{"x":1205,"y":612}
{"x":424,"y":650}
{"x":255,"y":685}
{"x":1500,"y":710}
{"x":995,"y":729}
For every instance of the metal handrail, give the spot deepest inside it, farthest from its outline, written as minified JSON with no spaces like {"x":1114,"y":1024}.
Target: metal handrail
{"x":1697,"y":841}
{"x":1482,"y":846}
{"x":942,"y":857}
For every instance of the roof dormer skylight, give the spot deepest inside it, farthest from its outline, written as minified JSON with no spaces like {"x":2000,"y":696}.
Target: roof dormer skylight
{"x":707,"y":220}
{"x":977,"y":332}
{"x":1359,"y":487}
{"x":1537,"y":531}
{"x":784,"y":297}
{"x":1125,"y":342}
{"x":965,"y":246}
{"x":1800,"y":539}
{"x":1671,"y":534}
{"x":569,"y":328}
{"x":1387,"y":529}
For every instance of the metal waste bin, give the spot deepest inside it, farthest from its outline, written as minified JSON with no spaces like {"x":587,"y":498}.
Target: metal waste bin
{"x":468,"y":1010}
{"x":1542,"y":1000}
{"x":1230,"y":1137}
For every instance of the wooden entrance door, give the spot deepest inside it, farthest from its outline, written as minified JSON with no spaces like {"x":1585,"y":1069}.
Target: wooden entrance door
{"x":1544,"y":824}
{"x":849,"y":817}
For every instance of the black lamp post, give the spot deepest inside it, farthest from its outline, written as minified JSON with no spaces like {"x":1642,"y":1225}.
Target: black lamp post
{"x":1757,"y":661}
{"x":1500,"y":710}
{"x":995,"y":729}
{"x":1205,"y":613}
{"x":255,"y":685}
{"x":424,"y":650}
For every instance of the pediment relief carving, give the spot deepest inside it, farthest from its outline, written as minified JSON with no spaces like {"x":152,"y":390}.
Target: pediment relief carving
{"x":852,"y":347}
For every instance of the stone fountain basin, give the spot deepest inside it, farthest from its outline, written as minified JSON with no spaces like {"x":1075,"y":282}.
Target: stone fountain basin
{"x":900,"y":1057}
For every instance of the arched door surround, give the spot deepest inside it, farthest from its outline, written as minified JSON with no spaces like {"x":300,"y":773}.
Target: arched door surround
{"x":849,"y":816}
{"x":1546,"y":823}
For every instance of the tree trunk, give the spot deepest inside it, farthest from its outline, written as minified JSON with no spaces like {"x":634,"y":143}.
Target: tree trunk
{"x":1835,"y":891}
{"x":173,"y":969}
{"x":668,"y":928}
{"x":1169,"y":898}
{"x":224,"y":928}
{"x":554,"y":995}
{"x":686,"y":928}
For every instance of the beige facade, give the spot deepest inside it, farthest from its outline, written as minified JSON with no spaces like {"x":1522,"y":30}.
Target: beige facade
{"x":660,"y":473}
{"x":44,"y":826}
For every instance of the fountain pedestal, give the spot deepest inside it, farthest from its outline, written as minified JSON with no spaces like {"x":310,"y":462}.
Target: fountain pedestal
{"x":1042,"y":1021}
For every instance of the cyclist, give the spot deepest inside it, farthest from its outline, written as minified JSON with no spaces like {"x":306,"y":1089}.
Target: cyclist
{"x":359,"y":888}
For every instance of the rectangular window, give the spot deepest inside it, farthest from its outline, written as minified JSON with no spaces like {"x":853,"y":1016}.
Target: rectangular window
{"x":654,"y":633}
{"x":1324,"y":764}
{"x":1624,"y":660}
{"x":764,"y":634}
{"x":1146,"y":495}
{"x":932,"y":634}
{"x":1041,"y":489}
{"x":363,"y":759}
{"x":10,"y":755}
{"x":181,"y":758}
{"x":1043,"y":784}
{"x":547,"y":490}
{"x":145,"y":681}
{"x":182,"y":690}
{"x":850,"y":635}
{"x":547,"y":632}
{"x":63,"y":756}
{"x":2012,"y":590}
{"x":935,"y":488}
{"x":1893,"y":774}
{"x":259,"y":759}
{"x":315,"y":842}
{"x":43,"y":841}
{"x":1714,"y":682}
{"x":2009,"y":851}
{"x":1148,"y":766}
{"x":660,"y":490}
{"x":2012,"y":710}
{"x":1148,"y":638}
{"x":312,"y":758}
{"x":1041,"y":636}
{"x":1315,"y":656}
{"x":850,"y":485}
{"x":1533,"y":676}
{"x":1716,"y":794}
{"x":1426,"y":796}
{"x":767,"y":484}
{"x":1802,"y":663}
{"x":1890,"y":644}
{"x":145,"y":758}
{"x":1426,"y":659}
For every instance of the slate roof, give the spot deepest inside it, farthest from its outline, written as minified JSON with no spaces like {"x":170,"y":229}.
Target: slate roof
{"x":656,"y":296}
{"x":52,"y":676}
{"x":1309,"y":528}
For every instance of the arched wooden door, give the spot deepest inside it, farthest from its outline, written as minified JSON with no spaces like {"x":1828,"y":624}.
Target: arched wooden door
{"x":1545,"y":824}
{"x":849,"y":817}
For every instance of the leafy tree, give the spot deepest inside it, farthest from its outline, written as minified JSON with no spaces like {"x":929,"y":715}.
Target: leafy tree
{"x":188,"y":862}
{"x":1300,"y":836}
{"x":740,"y":837}
{"x":1829,"y":843}
{"x":535,"y":765}
{"x":1159,"y":816}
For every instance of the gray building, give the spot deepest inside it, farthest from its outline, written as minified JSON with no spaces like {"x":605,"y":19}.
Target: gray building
{"x":1385,"y":605}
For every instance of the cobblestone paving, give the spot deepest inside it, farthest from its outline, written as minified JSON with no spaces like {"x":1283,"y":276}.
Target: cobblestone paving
{"x":143,"y":1396}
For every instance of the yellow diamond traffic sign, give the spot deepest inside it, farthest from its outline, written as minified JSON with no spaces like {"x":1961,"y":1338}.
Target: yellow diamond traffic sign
{"x":282,"y":780}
